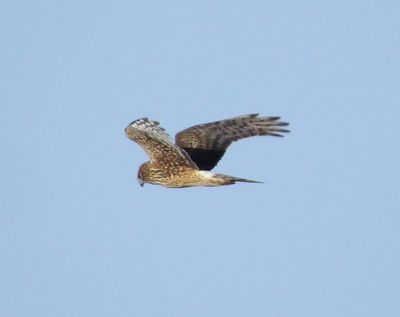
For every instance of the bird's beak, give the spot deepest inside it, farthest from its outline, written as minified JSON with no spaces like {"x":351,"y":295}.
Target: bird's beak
{"x":141,"y":183}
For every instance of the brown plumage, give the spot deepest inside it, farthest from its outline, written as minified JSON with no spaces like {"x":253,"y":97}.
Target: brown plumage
{"x":197,"y":150}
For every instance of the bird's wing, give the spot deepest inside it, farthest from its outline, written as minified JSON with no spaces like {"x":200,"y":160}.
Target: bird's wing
{"x":207,"y":143}
{"x":157,"y":144}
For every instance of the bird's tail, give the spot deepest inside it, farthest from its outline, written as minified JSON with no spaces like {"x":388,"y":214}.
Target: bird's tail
{"x":228,"y":180}
{"x":208,"y":178}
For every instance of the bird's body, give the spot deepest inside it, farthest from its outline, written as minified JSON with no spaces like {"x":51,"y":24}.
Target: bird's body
{"x":184,"y":176}
{"x":197,"y":150}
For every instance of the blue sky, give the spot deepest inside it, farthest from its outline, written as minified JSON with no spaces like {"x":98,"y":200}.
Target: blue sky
{"x":80,"y":237}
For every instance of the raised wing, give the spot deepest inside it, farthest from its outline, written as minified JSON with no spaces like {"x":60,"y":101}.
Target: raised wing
{"x":207,"y":143}
{"x":156,"y":143}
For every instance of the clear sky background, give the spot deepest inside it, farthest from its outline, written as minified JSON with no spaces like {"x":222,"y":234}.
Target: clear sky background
{"x":80,"y":237}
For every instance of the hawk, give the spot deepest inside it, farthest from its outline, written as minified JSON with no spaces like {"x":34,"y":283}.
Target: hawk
{"x":196,"y":150}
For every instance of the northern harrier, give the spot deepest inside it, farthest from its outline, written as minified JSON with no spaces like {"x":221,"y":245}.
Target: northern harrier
{"x":196,"y":151}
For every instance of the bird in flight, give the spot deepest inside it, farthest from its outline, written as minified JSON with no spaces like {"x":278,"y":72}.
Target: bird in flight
{"x":196,"y":151}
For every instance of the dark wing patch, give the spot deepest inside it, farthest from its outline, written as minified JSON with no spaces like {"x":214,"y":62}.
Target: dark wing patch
{"x":207,"y":143}
{"x":205,"y":159}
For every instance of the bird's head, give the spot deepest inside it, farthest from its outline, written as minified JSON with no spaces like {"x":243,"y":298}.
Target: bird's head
{"x":143,"y":173}
{"x":151,"y":174}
